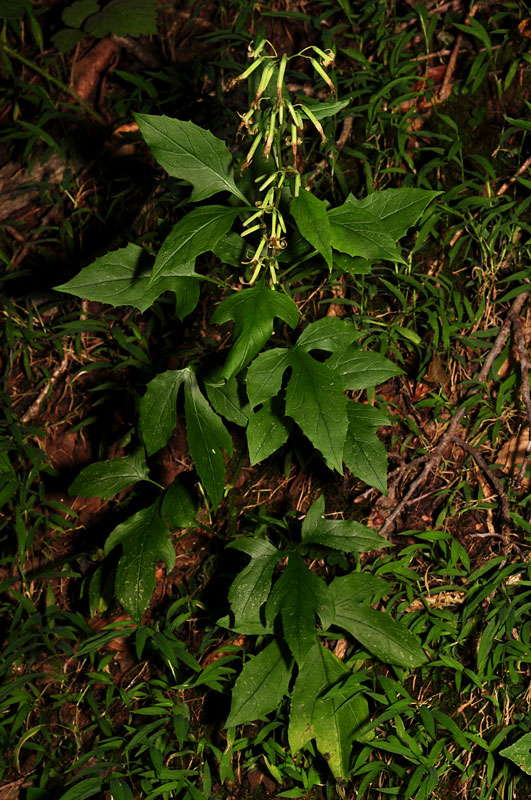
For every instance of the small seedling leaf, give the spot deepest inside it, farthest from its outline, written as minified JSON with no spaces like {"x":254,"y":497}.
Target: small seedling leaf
{"x":261,"y":686}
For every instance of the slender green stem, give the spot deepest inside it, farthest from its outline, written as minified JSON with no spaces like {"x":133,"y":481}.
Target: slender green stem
{"x":31,"y":65}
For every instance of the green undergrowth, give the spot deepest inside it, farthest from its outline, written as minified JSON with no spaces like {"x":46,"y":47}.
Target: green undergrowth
{"x":219,"y":353}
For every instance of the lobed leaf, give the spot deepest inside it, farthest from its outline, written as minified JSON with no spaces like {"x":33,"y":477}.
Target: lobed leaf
{"x":261,"y":686}
{"x":361,"y":369}
{"x":386,"y":638}
{"x":207,"y":437}
{"x":106,"y":478}
{"x":334,"y":722}
{"x":250,"y":589}
{"x":144,"y":539}
{"x":124,"y":18}
{"x":253,"y":312}
{"x":267,"y":430}
{"x":189,"y":152}
{"x":359,"y":232}
{"x":341,"y":534}
{"x":158,"y":409}
{"x":312,"y":221}
{"x":196,"y":233}
{"x":398,"y":209}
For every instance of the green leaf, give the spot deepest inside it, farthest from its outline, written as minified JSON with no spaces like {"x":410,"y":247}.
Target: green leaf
{"x":121,"y":278}
{"x":180,"y":506}
{"x":187,"y":151}
{"x":260,"y":687}
{"x":365,"y":455}
{"x":316,"y":401}
{"x":329,"y":333}
{"x":66,"y":39}
{"x":341,"y":534}
{"x":323,"y":110}
{"x":124,"y":18}
{"x":194,"y":234}
{"x":76,"y":14}
{"x":250,"y":589}
{"x":264,"y":376}
{"x":267,"y":430}
{"x":312,"y":221}
{"x":106,"y":478}
{"x":253,"y":311}
{"x":519,"y":752}
{"x":231,"y":249}
{"x":299,"y":595}
{"x":158,"y":409}
{"x":88,"y":787}
{"x":358,"y":232}
{"x":186,"y":295}
{"x":398,"y":209}
{"x":386,"y":638}
{"x":229,"y":400}
{"x":207,"y":437}
{"x":333,"y":722}
{"x":144,"y":539}
{"x":360,"y":369}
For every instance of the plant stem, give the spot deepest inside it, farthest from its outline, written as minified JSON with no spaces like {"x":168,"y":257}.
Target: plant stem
{"x":84,"y":105}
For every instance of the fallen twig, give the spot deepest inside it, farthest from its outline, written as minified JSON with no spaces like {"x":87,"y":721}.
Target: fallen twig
{"x":33,"y":410}
{"x":451,"y":432}
{"x":493,"y":478}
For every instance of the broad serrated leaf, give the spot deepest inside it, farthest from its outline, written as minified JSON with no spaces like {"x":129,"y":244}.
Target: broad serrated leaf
{"x":158,"y":409}
{"x":76,"y":14}
{"x":189,"y":152}
{"x":323,"y":110}
{"x":399,"y":209}
{"x":231,"y":249}
{"x":180,"y":505}
{"x":253,"y":312}
{"x":520,"y":753}
{"x":341,"y":534}
{"x":267,"y":430}
{"x":229,"y":400}
{"x":66,"y":39}
{"x":316,"y":401}
{"x":386,"y":638}
{"x":261,"y":686}
{"x":144,"y":539}
{"x":364,"y":454}
{"x":106,"y":478}
{"x":124,"y":18}
{"x":360,"y":369}
{"x":366,"y":415}
{"x":312,"y":221}
{"x":264,"y":376}
{"x":121,"y":278}
{"x":250,"y":588}
{"x":207,"y":437}
{"x":194,"y":234}
{"x":333,"y":722}
{"x":329,"y":333}
{"x":359,"y":232}
{"x":298,"y":596}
